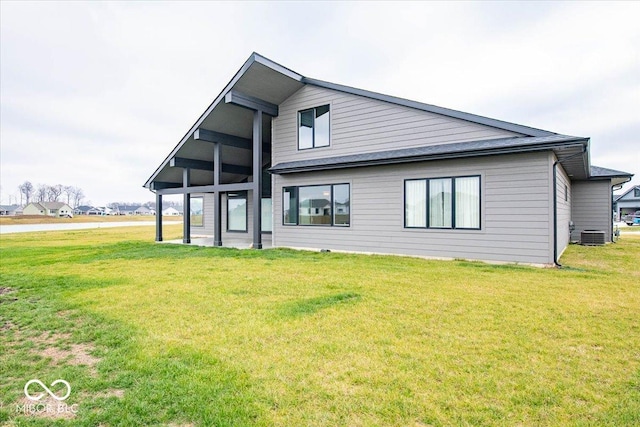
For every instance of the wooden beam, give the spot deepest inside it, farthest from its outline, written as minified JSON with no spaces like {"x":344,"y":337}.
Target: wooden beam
{"x":240,"y":186}
{"x":257,"y":180}
{"x":206,"y":135}
{"x":159,"y":185}
{"x":181,"y":162}
{"x":217,"y":196}
{"x":158,"y":217}
{"x":186,"y":206}
{"x":251,"y":102}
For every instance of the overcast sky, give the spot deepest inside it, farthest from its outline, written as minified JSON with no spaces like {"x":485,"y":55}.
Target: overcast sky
{"x":96,"y":94}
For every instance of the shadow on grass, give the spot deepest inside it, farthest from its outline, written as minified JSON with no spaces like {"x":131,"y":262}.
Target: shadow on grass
{"x":313,"y":305}
{"x":161,"y":387}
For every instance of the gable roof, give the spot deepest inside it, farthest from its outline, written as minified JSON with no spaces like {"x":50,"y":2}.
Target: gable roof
{"x":616,"y":177}
{"x":627,"y":192}
{"x":36,"y":205}
{"x":53,"y":205}
{"x":474,"y":118}
{"x":267,"y":80}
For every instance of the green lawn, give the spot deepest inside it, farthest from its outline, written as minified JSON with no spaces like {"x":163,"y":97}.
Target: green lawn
{"x":150,"y":334}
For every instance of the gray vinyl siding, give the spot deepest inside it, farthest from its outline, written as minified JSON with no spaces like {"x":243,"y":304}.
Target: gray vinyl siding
{"x":359,"y":124}
{"x":563,"y":208}
{"x":515,"y":211}
{"x":591,"y":207}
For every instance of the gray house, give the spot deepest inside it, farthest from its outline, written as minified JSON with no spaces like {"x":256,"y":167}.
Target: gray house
{"x":628,"y":202}
{"x":289,"y":161}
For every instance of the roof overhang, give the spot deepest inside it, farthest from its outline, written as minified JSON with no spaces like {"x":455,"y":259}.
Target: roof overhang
{"x":258,"y":80}
{"x":571,"y":152}
{"x":617,"y":177}
{"x":266,"y":82}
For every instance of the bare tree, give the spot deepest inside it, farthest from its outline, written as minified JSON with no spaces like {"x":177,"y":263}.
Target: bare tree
{"x":41,"y":192}
{"x":68,"y":191}
{"x":27,"y":190}
{"x":77,"y":195}
{"x":54,"y":192}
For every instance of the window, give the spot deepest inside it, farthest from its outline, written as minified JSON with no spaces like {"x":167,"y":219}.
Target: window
{"x":290,"y":206}
{"x":450,"y":203}
{"x":313,"y":128}
{"x":566,"y":193}
{"x":328,"y":205}
{"x":341,"y":204}
{"x":197,"y":211}
{"x":315,"y":205}
{"x":237,"y":211}
{"x":415,"y":203}
{"x":636,"y":192}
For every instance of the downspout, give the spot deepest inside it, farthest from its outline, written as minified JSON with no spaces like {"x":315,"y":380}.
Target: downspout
{"x":555,"y":205}
{"x":614,"y":187}
{"x":555,"y":214}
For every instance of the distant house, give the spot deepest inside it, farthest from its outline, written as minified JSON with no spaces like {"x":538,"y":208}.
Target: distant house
{"x":96,"y":211}
{"x":9,"y":210}
{"x":81,"y":210}
{"x":628,"y":202}
{"x":127,"y":209}
{"x":171,"y":211}
{"x":143,"y":210}
{"x":48,"y":208}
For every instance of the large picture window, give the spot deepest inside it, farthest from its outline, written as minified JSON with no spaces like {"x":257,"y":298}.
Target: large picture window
{"x":313,"y":128}
{"x":237,"y":211}
{"x":197,"y":211}
{"x":450,"y":203}
{"x":328,"y":205}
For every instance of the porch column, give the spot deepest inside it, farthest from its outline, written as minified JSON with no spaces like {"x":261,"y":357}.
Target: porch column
{"x":257,"y":179}
{"x":217,"y":205}
{"x":158,"y":217}
{"x":186,"y":220}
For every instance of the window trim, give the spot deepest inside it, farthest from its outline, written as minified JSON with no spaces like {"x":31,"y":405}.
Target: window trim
{"x":313,"y":128}
{"x":331,"y":212}
{"x":453,"y":203}
{"x":238,"y":195}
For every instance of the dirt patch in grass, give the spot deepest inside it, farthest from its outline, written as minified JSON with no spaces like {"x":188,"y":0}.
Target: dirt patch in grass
{"x":77,"y":354}
{"x":4,"y":290}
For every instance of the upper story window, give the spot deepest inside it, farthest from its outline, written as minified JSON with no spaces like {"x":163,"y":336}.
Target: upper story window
{"x":636,"y":192}
{"x":313,"y":128}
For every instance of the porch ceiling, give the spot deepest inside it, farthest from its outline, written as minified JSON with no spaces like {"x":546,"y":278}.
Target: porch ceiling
{"x":259,"y":78}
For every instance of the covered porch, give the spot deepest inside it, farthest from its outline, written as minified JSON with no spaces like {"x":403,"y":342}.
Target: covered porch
{"x":220,"y":165}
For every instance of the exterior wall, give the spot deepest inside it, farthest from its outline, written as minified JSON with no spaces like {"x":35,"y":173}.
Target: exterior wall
{"x":563,"y":208}
{"x":359,"y":124}
{"x":515,"y":211}
{"x":591,"y":207}
{"x":32,"y":209}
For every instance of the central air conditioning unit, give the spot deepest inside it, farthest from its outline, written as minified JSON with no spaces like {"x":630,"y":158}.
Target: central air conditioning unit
{"x":592,"y":238}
